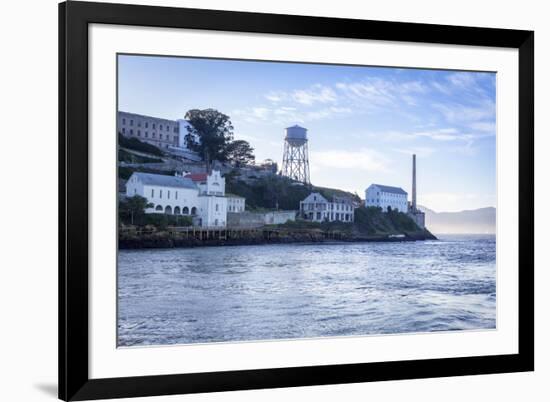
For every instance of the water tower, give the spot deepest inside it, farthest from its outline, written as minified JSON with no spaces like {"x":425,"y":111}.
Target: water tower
{"x":295,"y":156}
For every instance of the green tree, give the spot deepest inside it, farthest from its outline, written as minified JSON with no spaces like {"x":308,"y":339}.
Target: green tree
{"x":240,"y":153}
{"x":133,"y":207}
{"x":209,"y":134}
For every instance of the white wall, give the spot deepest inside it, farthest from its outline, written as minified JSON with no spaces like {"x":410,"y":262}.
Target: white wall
{"x":28,"y":282}
{"x":213,"y":211}
{"x":374,"y":197}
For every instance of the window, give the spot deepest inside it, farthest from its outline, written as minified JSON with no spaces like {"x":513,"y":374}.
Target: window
{"x":160,"y":193}
{"x":168,"y":194}
{"x":146,"y":124}
{"x":139,"y":123}
{"x":160,"y":127}
{"x":154,"y":126}
{"x":146,"y":134}
{"x":123,"y":121}
{"x":216,"y":207}
{"x":160,"y":136}
{"x":139,"y":133}
{"x":131,"y":122}
{"x":135,"y":190}
{"x":175,"y":130}
{"x":123,"y":130}
{"x":152,"y":193}
{"x":176,"y":195}
{"x":154,"y":135}
{"x":131,"y":132}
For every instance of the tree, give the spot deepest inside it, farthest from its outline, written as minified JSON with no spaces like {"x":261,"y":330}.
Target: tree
{"x":209,"y":133}
{"x":240,"y":153}
{"x":134,"y":207}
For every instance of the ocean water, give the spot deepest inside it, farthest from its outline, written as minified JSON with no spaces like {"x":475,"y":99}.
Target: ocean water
{"x":246,"y":293}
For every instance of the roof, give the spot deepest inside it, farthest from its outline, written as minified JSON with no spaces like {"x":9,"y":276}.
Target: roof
{"x":143,"y":116}
{"x":390,"y":189}
{"x":163,"y":180}
{"x":297,"y":126}
{"x":309,"y":198}
{"x":197,"y":176}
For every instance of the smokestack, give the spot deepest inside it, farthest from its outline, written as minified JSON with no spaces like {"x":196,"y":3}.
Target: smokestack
{"x":414,"y":184}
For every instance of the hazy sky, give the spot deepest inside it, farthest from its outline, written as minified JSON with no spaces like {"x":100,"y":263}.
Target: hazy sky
{"x":363,"y":122}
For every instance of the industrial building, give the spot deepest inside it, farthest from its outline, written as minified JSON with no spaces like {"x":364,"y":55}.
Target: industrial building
{"x":378,"y":195}
{"x":317,"y":208}
{"x":200,"y":196}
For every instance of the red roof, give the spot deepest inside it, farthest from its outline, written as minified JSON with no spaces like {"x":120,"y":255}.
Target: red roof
{"x":197,"y":176}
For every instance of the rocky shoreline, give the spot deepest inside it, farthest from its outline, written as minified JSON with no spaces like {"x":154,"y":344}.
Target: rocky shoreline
{"x":174,"y":240}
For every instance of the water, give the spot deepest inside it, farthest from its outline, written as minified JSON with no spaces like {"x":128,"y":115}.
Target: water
{"x":244,"y":293}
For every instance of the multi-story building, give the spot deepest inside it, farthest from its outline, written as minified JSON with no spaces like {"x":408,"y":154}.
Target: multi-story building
{"x":235,"y":203}
{"x":204,"y":200}
{"x":162,"y":133}
{"x":317,"y":208}
{"x":378,"y":195}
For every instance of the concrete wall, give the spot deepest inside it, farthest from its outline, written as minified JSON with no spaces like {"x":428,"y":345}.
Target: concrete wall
{"x":258,"y":219}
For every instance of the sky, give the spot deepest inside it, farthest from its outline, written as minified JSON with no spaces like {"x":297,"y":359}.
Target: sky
{"x":364,"y":123}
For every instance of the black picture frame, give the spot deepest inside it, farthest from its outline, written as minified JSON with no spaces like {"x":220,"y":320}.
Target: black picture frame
{"x":74,"y":18}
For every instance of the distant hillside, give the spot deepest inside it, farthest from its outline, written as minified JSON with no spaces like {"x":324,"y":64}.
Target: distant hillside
{"x":481,"y":220}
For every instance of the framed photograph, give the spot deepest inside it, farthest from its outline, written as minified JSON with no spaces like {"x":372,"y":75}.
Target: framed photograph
{"x":258,"y":201}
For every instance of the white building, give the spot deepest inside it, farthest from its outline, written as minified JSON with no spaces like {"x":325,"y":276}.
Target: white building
{"x":317,"y":208}
{"x":378,"y":195}
{"x":235,"y":203}
{"x":203,"y":200}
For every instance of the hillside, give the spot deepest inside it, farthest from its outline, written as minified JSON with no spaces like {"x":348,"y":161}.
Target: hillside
{"x":277,"y":192}
{"x":482,"y":220}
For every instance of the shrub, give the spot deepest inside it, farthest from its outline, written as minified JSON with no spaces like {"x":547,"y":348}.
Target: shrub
{"x":125,"y":156}
{"x":137,"y":145}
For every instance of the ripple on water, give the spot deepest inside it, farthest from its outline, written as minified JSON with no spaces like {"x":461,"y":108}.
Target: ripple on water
{"x":291,"y":291}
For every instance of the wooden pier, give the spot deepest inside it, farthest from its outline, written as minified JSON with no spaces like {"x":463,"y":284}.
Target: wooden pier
{"x":234,"y":233}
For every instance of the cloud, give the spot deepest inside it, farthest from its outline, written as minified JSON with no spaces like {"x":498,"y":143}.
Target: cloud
{"x":422,"y":152}
{"x":316,"y":93}
{"x":382,"y":92}
{"x":276,"y":96}
{"x":457,"y":113}
{"x":436,"y":134}
{"x":485,"y":126}
{"x":288,"y":115}
{"x":363,"y":159}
